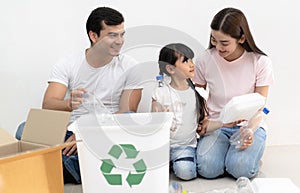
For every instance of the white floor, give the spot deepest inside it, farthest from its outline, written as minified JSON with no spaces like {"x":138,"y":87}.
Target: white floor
{"x":277,"y":162}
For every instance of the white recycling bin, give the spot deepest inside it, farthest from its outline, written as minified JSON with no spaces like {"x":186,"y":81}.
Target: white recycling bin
{"x":122,"y":153}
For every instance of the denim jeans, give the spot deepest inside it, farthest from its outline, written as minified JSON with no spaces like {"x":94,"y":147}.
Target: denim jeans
{"x":70,"y":163}
{"x":183,"y":159}
{"x":215,"y":154}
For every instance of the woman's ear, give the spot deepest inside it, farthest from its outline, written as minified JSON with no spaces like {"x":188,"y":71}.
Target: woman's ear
{"x":242,"y":39}
{"x":170,"y":69}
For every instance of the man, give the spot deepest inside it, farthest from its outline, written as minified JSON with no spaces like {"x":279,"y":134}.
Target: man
{"x":100,"y":71}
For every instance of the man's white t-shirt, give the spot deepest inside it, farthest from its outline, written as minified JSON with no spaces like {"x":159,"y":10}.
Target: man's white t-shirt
{"x":183,"y":104}
{"x":105,"y":83}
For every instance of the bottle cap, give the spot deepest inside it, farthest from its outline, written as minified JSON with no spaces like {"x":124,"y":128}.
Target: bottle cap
{"x":159,"y":77}
{"x":266,"y":110}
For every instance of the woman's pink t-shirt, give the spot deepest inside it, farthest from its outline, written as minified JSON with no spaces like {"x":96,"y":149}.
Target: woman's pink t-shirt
{"x":225,"y":79}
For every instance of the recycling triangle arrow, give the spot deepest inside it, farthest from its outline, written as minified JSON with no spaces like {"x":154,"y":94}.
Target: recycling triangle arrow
{"x":113,"y":179}
{"x":107,"y":166}
{"x":134,"y":179}
{"x":130,"y":151}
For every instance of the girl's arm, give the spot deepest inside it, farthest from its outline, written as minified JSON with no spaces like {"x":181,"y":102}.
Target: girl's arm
{"x":208,"y":126}
{"x":156,"y":106}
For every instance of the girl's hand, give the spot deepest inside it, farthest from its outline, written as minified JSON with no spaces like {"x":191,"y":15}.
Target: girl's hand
{"x":232,"y":124}
{"x":202,"y":127}
{"x":156,"y":107}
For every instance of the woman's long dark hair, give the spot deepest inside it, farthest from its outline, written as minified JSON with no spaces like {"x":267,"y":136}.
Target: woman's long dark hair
{"x":233,"y":22}
{"x":168,"y":55}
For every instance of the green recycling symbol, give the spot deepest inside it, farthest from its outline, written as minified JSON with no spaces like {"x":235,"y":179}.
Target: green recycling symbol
{"x":131,"y":153}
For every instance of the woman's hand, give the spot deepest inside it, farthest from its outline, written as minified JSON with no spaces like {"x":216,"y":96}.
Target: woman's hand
{"x":247,"y":135}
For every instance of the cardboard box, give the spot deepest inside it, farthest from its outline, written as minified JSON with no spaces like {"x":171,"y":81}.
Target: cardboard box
{"x":124,"y":153}
{"x":34,"y":164}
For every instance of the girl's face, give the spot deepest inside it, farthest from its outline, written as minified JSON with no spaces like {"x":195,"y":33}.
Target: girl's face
{"x":184,"y":69}
{"x":228,"y":47}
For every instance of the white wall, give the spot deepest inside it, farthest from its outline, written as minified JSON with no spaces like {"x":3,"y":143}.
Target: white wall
{"x":35,"y":34}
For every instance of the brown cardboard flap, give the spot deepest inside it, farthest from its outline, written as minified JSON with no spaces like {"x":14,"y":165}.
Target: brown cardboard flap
{"x":18,"y":147}
{"x":39,"y":150}
{"x":46,"y":126}
{"x":9,"y":149}
{"x":6,"y":138}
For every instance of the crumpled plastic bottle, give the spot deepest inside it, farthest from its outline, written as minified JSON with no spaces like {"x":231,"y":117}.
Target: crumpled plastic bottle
{"x":244,"y":185}
{"x":91,"y":104}
{"x":237,"y":139}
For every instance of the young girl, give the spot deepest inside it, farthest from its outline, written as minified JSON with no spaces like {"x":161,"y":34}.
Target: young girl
{"x":233,"y":65}
{"x":179,"y":96}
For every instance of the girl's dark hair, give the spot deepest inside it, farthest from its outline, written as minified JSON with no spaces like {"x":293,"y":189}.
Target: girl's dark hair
{"x":233,"y":22}
{"x":102,"y":15}
{"x":168,"y":55}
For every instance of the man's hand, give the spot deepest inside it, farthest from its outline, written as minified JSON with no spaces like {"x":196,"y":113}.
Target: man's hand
{"x":70,"y":150}
{"x":76,"y":97}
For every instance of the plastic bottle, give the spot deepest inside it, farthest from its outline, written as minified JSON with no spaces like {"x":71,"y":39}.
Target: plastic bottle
{"x":164,"y":104}
{"x":237,"y":139}
{"x":91,"y":104}
{"x":159,"y":79}
{"x":244,"y":185}
{"x":88,"y":103}
{"x":176,"y":187}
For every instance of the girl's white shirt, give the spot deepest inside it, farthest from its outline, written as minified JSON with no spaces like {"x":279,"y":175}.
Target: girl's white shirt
{"x":183,"y":104}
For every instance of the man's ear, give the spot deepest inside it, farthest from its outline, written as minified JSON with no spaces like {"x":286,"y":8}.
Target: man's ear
{"x":170,"y":69}
{"x":242,"y":39}
{"x":93,"y":36}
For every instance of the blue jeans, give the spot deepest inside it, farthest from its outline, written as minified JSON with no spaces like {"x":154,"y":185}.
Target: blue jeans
{"x":70,"y":163}
{"x":215,"y":154}
{"x":183,"y":159}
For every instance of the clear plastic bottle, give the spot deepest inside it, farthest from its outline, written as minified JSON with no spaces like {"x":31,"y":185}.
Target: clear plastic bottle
{"x":176,"y":187}
{"x":238,"y":138}
{"x":244,"y":185}
{"x":91,"y":104}
{"x":164,"y":103}
{"x":87,"y":103}
{"x":159,"y":79}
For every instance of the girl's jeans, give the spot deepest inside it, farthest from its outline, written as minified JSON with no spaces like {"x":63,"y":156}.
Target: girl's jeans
{"x":183,"y":159}
{"x":215,"y":154}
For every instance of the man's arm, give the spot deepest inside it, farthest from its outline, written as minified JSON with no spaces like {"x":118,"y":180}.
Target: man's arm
{"x":54,"y":97}
{"x":130,"y":100}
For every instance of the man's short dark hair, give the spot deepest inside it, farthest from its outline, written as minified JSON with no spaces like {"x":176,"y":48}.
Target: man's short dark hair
{"x":102,"y":15}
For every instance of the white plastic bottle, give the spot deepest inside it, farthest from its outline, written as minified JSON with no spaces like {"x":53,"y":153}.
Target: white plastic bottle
{"x":237,"y":139}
